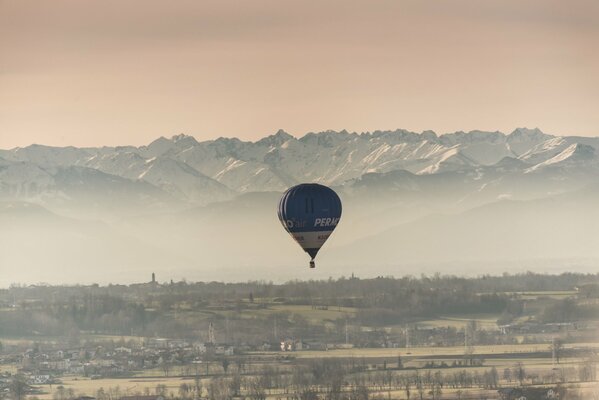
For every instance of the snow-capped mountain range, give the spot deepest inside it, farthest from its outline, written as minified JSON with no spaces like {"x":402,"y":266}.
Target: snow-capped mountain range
{"x":206,"y":210}
{"x":183,"y":171}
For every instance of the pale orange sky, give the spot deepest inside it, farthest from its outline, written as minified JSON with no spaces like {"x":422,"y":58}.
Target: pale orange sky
{"x":88,"y":73}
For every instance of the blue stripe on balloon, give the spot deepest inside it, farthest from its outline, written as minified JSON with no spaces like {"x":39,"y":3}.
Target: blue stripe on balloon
{"x":309,"y":207}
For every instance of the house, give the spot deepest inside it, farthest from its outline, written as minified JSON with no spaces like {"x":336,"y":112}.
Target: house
{"x":40,"y":379}
{"x":123,"y":349}
{"x":224,"y":350}
{"x":200,"y":347}
{"x":291,"y":345}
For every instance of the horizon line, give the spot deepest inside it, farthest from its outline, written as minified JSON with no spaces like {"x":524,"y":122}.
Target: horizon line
{"x":298,"y":137}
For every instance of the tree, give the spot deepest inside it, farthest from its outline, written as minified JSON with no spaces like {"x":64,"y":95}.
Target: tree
{"x":256,"y":391}
{"x":436,"y":391}
{"x":556,"y":347}
{"x":359,"y":392}
{"x":183,"y":390}
{"x":520,"y":373}
{"x":160,"y":390}
{"x":407,"y":384}
{"x":494,"y":378}
{"x":586,"y":371}
{"x":225,"y":363}
{"x":60,"y":393}
{"x":166,"y":367}
{"x":18,"y":387}
{"x":197,"y":385}
{"x":218,"y":389}
{"x":419,"y":386}
{"x":399,"y":362}
{"x":240,"y":362}
{"x":235,"y":383}
{"x":507,"y":375}
{"x":101,"y":394}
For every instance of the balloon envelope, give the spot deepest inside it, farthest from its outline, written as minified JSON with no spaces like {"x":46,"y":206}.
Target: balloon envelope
{"x":310,"y":212}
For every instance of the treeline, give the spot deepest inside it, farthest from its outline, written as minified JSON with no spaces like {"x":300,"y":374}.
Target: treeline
{"x":167,"y":309}
{"x":569,"y":310}
{"x":358,"y":292}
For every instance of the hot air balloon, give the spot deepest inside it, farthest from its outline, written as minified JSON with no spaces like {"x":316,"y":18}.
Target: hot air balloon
{"x":310,"y":212}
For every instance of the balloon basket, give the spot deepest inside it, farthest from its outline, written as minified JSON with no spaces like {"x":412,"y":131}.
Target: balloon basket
{"x":312,"y":264}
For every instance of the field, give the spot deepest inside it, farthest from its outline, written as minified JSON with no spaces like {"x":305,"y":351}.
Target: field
{"x":500,"y":357}
{"x":446,"y":337}
{"x":455,"y":351}
{"x":126,"y":386}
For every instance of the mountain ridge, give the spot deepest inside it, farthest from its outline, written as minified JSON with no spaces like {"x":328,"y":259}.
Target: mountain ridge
{"x":200,"y":172}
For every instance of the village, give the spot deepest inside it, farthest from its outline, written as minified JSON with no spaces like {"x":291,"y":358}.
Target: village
{"x":90,"y":341}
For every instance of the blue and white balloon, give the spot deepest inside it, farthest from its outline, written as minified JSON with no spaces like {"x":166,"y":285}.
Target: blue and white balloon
{"x":310,"y":213}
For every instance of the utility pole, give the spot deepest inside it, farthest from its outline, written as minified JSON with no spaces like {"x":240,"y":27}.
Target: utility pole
{"x":407,"y":337}
{"x":553,"y":352}
{"x":346,"y":332}
{"x":227,"y":337}
{"x":211,"y":339}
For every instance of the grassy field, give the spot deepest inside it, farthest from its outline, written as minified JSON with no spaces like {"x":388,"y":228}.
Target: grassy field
{"x":535,"y":357}
{"x":126,"y":386}
{"x":435,"y":351}
{"x":459,"y":321}
{"x":141,"y":384}
{"x":8,"y":368}
{"x":312,"y":314}
{"x":501,"y":356}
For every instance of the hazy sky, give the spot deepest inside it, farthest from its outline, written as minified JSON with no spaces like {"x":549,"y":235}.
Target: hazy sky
{"x":75,"y":72}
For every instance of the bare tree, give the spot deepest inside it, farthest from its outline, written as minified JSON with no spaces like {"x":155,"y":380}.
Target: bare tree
{"x":256,"y":390}
{"x":160,"y":390}
{"x":18,"y":387}
{"x":557,"y":346}
{"x":218,"y":389}
{"x":235,"y":383}
{"x":520,"y":372}
{"x":166,"y":368}
{"x":359,"y":392}
{"x":184,"y":390}
{"x":197,"y":385}
{"x":225,"y":363}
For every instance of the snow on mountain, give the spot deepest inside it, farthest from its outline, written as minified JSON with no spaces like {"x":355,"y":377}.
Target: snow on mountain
{"x":483,"y":148}
{"x":523,"y":139}
{"x":126,"y":164}
{"x":162,"y":146}
{"x":573,"y":154}
{"x":450,"y":160}
{"x":174,"y":177}
{"x":545,"y":150}
{"x":46,"y":155}
{"x":23,"y":179}
{"x":79,"y":190}
{"x":183,"y":181}
{"x":198,"y":173}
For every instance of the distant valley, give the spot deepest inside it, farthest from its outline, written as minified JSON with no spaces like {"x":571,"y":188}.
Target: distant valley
{"x":207,"y":209}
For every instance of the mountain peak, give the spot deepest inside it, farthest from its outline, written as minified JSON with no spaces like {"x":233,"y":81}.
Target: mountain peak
{"x":277,"y":139}
{"x":429,"y":135}
{"x":527,"y":134}
{"x":183,"y":138}
{"x":282,"y":133}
